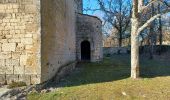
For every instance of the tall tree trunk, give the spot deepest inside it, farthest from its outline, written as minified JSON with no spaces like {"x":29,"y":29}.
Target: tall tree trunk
{"x":134,"y":41}
{"x":152,"y":34}
{"x":134,"y":50}
{"x":120,"y":39}
{"x":135,"y":31}
{"x":160,"y":31}
{"x":151,"y":42}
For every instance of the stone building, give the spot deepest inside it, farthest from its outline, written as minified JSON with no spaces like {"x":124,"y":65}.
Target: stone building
{"x":40,"y":39}
{"x":89,"y":38}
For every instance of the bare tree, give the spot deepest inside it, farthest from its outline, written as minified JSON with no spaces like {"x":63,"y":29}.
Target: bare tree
{"x":117,"y":14}
{"x":136,"y":28}
{"x":160,"y":30}
{"x":152,"y":33}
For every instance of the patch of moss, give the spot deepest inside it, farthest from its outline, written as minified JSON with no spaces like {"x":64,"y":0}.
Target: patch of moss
{"x":16,"y":84}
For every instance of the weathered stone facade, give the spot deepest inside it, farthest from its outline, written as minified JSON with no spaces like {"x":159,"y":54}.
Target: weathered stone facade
{"x":79,"y":6}
{"x":89,"y":28}
{"x":20,"y":40}
{"x":58,"y":36}
{"x":38,"y":38}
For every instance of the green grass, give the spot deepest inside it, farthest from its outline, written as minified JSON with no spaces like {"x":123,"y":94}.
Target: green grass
{"x":109,"y":80}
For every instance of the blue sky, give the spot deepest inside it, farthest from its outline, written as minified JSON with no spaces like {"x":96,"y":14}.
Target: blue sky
{"x":94,"y":5}
{"x":90,"y":3}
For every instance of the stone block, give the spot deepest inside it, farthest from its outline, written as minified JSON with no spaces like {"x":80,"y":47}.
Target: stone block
{"x":0,"y":47}
{"x":12,"y":62}
{"x":18,"y":69}
{"x":8,"y":36}
{"x":15,"y":6}
{"x":14,"y":40}
{"x":2,"y":69}
{"x":12,"y":32}
{"x":20,"y":47}
{"x":30,"y":8}
{"x":2,"y":78}
{"x":9,"y":6}
{"x":16,"y":36}
{"x":1,"y":27}
{"x":12,"y":78}
{"x":13,"y":20}
{"x":23,"y":60}
{"x":16,"y":55}
{"x":2,"y":7}
{"x":9,"y":11}
{"x":17,"y":32}
{"x":28,"y":35}
{"x":3,"y":41}
{"x":2,"y":62}
{"x":25,"y":78}
{"x":28,"y":47}
{"x":30,"y":70}
{"x":1,"y":11}
{"x":5,"y":20}
{"x":14,"y":24}
{"x":9,"y":69}
{"x":5,"y":55}
{"x":15,"y":10}
{"x":8,"y":46}
{"x":35,"y":79}
{"x":35,"y":36}
{"x":27,"y":40}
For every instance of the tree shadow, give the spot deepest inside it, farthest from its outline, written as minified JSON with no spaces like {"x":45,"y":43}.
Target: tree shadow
{"x":116,"y":67}
{"x":157,"y":67}
{"x":154,"y":68}
{"x":110,"y":69}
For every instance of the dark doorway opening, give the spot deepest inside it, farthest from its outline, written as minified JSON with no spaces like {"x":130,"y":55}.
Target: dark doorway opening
{"x":85,"y":51}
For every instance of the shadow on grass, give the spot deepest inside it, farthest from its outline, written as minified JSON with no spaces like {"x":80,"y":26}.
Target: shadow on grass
{"x":112,"y":68}
{"x":154,"y":68}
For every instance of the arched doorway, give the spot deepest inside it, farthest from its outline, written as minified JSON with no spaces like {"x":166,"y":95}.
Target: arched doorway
{"x":85,"y":51}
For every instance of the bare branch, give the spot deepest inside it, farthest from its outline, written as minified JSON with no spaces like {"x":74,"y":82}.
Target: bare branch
{"x":148,"y":5}
{"x":151,"y":20}
{"x":143,"y":8}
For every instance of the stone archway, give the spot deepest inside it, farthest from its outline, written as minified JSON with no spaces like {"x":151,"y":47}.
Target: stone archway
{"x":85,"y":51}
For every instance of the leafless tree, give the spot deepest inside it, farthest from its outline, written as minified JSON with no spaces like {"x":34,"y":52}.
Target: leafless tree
{"x":160,"y":30}
{"x":139,"y":8}
{"x":117,"y":14}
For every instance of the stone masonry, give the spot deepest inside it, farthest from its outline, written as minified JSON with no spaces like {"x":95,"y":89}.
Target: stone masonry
{"x":20,"y":40}
{"x":40,"y":39}
{"x":89,"y":28}
{"x":58,"y":36}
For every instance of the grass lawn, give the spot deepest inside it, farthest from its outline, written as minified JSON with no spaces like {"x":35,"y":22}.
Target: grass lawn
{"x":109,"y":80}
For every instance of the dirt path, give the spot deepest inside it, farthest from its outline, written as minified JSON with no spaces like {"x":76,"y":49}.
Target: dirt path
{"x":3,"y":90}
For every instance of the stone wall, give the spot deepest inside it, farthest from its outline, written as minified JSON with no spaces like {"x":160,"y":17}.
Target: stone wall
{"x":58,"y":36}
{"x":20,"y":41}
{"x":38,"y":38}
{"x":89,"y":28}
{"x":107,"y":51}
{"x":79,"y":6}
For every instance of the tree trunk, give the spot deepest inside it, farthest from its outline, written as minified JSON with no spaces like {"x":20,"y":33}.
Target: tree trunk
{"x":160,"y":31}
{"x":152,"y":33}
{"x":135,"y":41}
{"x":120,"y":39}
{"x":134,"y":49}
{"x":151,"y":42}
